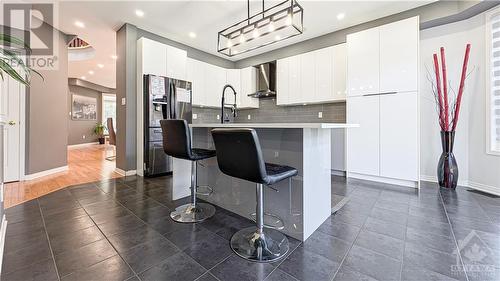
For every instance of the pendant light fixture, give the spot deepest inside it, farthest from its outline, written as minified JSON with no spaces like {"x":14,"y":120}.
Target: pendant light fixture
{"x":280,"y":22}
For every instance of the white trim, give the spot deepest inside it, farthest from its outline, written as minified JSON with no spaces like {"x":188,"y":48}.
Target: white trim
{"x":488,"y":99}
{"x":125,"y":173}
{"x":3,"y":231}
{"x":434,"y":179}
{"x":338,"y":173}
{"x":22,"y":134}
{"x":406,"y":183}
{"x":46,"y":173}
{"x":485,"y":188}
{"x":82,"y":144}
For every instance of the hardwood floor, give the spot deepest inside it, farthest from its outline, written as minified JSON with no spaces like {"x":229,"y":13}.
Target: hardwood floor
{"x":85,"y":164}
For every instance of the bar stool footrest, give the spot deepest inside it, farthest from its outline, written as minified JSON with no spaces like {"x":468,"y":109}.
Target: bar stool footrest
{"x":204,"y":190}
{"x":270,"y":221}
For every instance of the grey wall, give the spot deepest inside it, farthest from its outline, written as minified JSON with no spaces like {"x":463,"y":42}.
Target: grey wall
{"x":46,"y":110}
{"x":78,"y":129}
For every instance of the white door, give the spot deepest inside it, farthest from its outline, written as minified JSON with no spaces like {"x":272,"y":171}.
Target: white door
{"x":10,"y":107}
{"x":363,"y":62}
{"x":363,"y":142}
{"x":398,"y":136}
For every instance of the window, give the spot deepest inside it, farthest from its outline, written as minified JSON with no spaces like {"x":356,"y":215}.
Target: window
{"x":493,"y":80}
{"x":109,"y":108}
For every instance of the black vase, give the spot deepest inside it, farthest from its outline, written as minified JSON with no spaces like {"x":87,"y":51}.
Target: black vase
{"x":447,"y":169}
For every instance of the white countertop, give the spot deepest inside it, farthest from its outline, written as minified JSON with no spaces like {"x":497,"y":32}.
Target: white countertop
{"x":277,"y":125}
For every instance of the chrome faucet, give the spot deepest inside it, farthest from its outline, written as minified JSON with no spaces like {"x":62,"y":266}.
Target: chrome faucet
{"x":225,"y":118}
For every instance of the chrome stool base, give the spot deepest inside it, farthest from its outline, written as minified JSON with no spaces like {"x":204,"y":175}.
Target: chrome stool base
{"x":270,"y":221}
{"x":189,"y":213}
{"x":269,"y":246}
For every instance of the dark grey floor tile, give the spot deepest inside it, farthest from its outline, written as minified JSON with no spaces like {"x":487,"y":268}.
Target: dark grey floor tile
{"x":225,"y":224}
{"x":165,"y":225}
{"x":40,"y":271}
{"x":350,"y":217}
{"x":69,"y":241}
{"x":98,"y":197}
{"x":327,"y":246}
{"x":28,"y":216}
{"x":383,"y":227}
{"x":361,"y":206}
{"x":236,"y":268}
{"x":148,"y":254}
{"x":121,"y":224}
{"x":112,"y":269}
{"x":14,"y":229}
{"x":437,"y":242}
{"x":23,"y":208}
{"x":71,"y":214}
{"x":129,"y":239}
{"x":434,"y":214}
{"x":68,"y":226}
{"x":389,"y":216}
{"x":207,"y":277}
{"x":280,"y":275}
{"x":153,"y":214}
{"x":380,"y":243}
{"x":474,"y":224}
{"x":373,"y":264}
{"x":176,"y":267}
{"x":101,"y":207}
{"x":306,"y":265}
{"x":464,"y":212}
{"x":392,"y":206}
{"x":25,"y":256}
{"x":340,"y":230}
{"x":347,"y":274}
{"x":209,"y":251}
{"x":16,"y":242}
{"x":443,"y":263}
{"x":429,"y":225}
{"x":59,"y":207}
{"x":484,"y":274}
{"x":187,"y":236}
{"x":110,"y":215}
{"x":83,"y":257}
{"x":415,"y":273}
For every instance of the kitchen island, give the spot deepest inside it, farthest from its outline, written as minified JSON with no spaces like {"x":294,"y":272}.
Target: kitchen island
{"x":302,"y":205}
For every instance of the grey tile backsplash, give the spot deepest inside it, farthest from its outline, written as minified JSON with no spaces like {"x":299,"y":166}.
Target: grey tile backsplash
{"x":269,"y":112}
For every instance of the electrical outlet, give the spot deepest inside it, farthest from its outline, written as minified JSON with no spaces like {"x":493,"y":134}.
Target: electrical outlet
{"x":124,"y":101}
{"x":83,"y":137}
{"x":249,"y":117}
{"x":195,"y":116}
{"x":320,"y":114}
{"x":218,"y":117}
{"x":276,"y":154}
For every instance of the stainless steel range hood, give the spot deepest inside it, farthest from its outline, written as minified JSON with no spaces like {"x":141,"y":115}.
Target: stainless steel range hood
{"x":266,"y":81}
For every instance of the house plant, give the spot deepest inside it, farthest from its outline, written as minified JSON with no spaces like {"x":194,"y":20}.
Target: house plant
{"x":447,"y":169}
{"x":11,"y":61}
{"x":99,"y":131}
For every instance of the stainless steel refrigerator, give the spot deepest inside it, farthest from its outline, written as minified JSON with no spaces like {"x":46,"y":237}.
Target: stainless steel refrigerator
{"x":164,"y":98}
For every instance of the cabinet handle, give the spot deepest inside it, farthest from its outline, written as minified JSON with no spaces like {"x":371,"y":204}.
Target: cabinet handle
{"x":380,"y":94}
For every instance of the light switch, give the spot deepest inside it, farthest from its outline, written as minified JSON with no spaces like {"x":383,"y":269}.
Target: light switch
{"x":249,"y":117}
{"x":320,"y":114}
{"x":218,"y":117}
{"x":124,"y":101}
{"x":195,"y":116}
{"x":83,"y":137}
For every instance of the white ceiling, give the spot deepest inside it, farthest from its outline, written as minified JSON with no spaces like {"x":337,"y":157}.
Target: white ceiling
{"x":176,"y":19}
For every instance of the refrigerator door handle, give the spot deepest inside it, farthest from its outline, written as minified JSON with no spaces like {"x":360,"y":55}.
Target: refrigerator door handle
{"x":174,"y":103}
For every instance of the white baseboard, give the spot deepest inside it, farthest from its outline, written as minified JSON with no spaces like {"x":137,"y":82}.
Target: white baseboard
{"x":45,"y":173}
{"x":406,"y":183}
{"x":434,"y":179}
{"x":3,"y":231}
{"x":338,"y":173}
{"x":485,"y":188}
{"x":125,"y":173}
{"x":82,"y":144}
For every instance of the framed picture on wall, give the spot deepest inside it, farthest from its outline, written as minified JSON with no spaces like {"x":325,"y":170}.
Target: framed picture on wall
{"x":83,"y":108}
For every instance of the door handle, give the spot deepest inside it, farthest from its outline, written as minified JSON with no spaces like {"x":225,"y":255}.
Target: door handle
{"x":380,"y":94}
{"x":12,"y":122}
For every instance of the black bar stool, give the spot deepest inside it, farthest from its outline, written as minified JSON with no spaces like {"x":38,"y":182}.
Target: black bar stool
{"x":177,"y":143}
{"x":239,"y":155}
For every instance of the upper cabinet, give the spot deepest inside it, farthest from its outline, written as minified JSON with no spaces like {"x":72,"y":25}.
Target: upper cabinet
{"x":248,"y":77}
{"x":162,"y":60}
{"x":195,"y":73}
{"x":363,"y":62}
{"x":399,"y":56}
{"x":314,"y":77}
{"x":176,"y":63}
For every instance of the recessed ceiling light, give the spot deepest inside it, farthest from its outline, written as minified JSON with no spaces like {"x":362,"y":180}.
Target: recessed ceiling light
{"x":100,"y":65}
{"x":91,"y":72}
{"x":341,"y":16}
{"x":83,"y":77}
{"x":139,"y":13}
{"x":192,"y":34}
{"x":114,"y":57}
{"x":79,"y":24}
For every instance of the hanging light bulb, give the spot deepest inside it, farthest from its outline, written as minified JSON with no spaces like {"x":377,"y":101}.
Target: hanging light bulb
{"x":242,"y":38}
{"x":271,"y":27}
{"x":255,"y":33}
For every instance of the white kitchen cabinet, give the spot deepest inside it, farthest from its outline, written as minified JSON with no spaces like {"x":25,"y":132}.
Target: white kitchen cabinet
{"x":399,"y":136}
{"x":399,"y":56}
{"x":363,"y":142}
{"x":294,"y":94}
{"x":339,"y":72}
{"x":307,"y":77}
{"x":282,"y":81}
{"x":233,"y":79}
{"x":154,"y":57}
{"x":195,"y":73}
{"x":323,"y":75}
{"x":215,"y":79}
{"x":363,"y":53}
{"x":248,"y":86}
{"x":176,"y":63}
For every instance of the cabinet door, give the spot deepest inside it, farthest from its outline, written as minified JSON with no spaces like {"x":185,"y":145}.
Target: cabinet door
{"x":363,"y":142}
{"x":154,"y":57}
{"x":282,"y":81}
{"x":234,"y":79}
{"x":339,"y":71}
{"x":399,"y":136}
{"x":324,"y":74}
{"x":307,"y":78}
{"x":399,"y":56}
{"x":176,"y":63}
{"x":249,"y":86}
{"x":363,"y":63}
{"x":220,"y":82}
{"x":196,"y":75}
{"x":295,"y":80}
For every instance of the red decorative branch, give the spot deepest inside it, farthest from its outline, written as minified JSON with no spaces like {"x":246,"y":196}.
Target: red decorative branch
{"x":461,"y":88}
{"x":445,"y":91}
{"x":440,"y":96}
